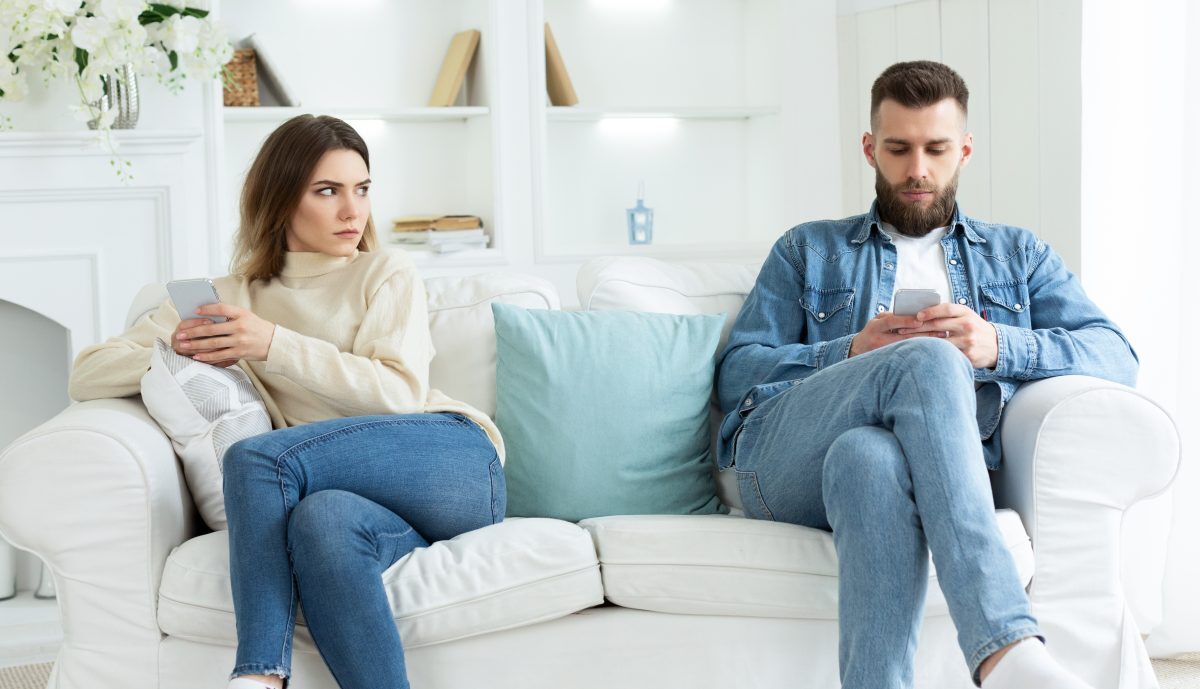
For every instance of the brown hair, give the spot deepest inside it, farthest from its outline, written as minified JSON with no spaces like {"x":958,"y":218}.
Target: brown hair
{"x":917,"y":84}
{"x":275,"y":184}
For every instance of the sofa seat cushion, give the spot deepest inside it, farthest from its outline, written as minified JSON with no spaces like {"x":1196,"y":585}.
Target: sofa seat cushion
{"x":507,"y":575}
{"x":730,"y":565}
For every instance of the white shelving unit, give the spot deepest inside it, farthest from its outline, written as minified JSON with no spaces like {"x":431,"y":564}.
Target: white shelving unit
{"x":697,"y":100}
{"x":424,"y":160}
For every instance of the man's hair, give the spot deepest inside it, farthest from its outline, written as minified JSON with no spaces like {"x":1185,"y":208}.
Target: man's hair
{"x":917,"y":84}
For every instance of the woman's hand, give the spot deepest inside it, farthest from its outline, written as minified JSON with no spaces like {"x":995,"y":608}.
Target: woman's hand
{"x":242,"y":336}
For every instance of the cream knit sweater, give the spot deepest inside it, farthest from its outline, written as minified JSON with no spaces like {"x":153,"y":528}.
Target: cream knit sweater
{"x":351,"y":339}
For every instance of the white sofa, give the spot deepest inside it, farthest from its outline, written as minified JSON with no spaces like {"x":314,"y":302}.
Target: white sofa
{"x":627,"y":601}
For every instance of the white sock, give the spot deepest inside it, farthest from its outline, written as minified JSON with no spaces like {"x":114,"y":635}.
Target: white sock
{"x":1028,"y":665}
{"x":247,"y":683}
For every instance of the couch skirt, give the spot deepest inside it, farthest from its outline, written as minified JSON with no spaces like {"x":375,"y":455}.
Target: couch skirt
{"x":607,"y":648}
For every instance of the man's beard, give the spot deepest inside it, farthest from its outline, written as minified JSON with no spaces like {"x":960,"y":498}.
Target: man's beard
{"x":912,"y":219}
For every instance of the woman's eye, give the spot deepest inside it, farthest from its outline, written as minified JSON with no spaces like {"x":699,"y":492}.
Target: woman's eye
{"x":362,"y":191}
{"x":327,"y":191}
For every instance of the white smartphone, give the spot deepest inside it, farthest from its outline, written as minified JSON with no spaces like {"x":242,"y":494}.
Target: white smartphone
{"x":909,"y":302}
{"x":189,"y":295}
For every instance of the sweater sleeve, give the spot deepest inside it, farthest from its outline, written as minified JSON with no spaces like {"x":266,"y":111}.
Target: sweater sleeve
{"x":114,"y":368}
{"x":387,"y":371}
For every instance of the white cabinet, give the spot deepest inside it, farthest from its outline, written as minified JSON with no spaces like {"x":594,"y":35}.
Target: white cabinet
{"x":725,"y":109}
{"x":374,"y":64}
{"x":698,"y":100}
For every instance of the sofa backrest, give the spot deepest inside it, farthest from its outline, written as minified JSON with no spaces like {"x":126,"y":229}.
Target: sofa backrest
{"x":460,"y":322}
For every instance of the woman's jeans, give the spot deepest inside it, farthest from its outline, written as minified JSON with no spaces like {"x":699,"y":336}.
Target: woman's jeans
{"x":884,"y":449}
{"x":317,"y":512}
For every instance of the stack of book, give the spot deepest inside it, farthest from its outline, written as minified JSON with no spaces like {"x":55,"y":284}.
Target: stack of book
{"x":440,"y":234}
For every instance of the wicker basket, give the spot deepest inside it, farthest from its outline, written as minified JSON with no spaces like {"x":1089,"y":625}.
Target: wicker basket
{"x":241,"y":86}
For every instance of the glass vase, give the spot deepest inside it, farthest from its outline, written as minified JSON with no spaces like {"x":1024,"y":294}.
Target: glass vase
{"x":120,"y":92}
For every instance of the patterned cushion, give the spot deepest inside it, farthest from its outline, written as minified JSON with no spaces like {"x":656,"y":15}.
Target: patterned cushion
{"x":203,"y":409}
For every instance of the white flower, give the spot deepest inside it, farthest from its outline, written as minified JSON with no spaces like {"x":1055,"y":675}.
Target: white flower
{"x":12,"y":84}
{"x":123,"y":10}
{"x":181,"y":34}
{"x":90,"y":32}
{"x":61,"y":6}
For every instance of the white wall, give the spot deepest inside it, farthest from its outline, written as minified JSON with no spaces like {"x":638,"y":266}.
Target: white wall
{"x":1020,"y":60}
{"x":1141,"y":91}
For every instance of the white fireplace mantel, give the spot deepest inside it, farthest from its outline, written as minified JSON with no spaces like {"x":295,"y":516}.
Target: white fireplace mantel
{"x":77,"y":242}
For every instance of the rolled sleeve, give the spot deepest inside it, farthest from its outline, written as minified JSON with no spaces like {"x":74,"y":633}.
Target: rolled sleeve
{"x":1017,"y":352}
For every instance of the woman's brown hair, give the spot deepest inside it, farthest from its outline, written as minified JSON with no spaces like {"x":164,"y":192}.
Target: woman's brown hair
{"x":276,"y":183}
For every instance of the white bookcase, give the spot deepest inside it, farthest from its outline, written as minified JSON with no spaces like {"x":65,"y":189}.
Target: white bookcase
{"x":695,"y":99}
{"x":700,"y":99}
{"x":374,"y":64}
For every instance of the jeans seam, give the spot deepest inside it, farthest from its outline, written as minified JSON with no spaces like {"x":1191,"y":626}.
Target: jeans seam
{"x":753,"y":477}
{"x":365,"y":426}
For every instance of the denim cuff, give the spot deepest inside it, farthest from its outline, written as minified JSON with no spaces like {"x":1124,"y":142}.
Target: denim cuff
{"x":261,"y":669}
{"x":977,"y":658}
{"x":836,"y":351}
{"x":1016,"y":355}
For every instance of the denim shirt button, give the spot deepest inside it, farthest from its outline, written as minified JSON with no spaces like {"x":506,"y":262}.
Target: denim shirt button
{"x":962,"y":300}
{"x":881,"y":308}
{"x":953,"y":262}
{"x":748,"y":402}
{"x":889,"y":266}
{"x":1017,"y":307}
{"x":822,"y":314}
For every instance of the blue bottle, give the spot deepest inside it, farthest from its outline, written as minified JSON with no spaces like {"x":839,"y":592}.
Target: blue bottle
{"x":640,"y":219}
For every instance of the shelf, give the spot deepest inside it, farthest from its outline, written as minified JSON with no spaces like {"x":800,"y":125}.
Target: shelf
{"x":466,"y":257}
{"x":418,"y":114}
{"x":576,"y":114}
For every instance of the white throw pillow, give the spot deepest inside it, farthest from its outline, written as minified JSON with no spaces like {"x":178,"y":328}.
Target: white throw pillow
{"x":203,"y":409}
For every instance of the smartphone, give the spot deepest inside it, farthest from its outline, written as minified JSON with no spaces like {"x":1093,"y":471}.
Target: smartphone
{"x":189,"y":295}
{"x":909,"y":302}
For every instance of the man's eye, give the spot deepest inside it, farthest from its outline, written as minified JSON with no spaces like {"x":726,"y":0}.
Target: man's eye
{"x":936,"y":151}
{"x":897,"y":151}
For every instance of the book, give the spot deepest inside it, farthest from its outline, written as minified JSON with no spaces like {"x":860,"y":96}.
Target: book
{"x":269,"y":73}
{"x":420,"y":223}
{"x":454,"y":68}
{"x":558,"y":82}
{"x":437,"y":236}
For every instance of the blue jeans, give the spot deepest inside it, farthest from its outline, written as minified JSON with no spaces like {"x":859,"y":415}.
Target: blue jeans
{"x":884,"y":450}
{"x":317,"y":512}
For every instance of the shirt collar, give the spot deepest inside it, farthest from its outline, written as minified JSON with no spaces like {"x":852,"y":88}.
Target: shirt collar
{"x":958,"y":222}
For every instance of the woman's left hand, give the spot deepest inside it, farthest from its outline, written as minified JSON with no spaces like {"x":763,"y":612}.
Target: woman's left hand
{"x":243,"y":335}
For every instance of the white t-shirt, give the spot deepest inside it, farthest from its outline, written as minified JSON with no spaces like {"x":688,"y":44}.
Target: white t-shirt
{"x":921,"y":261}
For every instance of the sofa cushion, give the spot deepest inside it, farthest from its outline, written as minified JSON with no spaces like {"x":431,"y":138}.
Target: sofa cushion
{"x":507,"y":575}
{"x":645,"y":284}
{"x":605,"y":412}
{"x":729,"y":565}
{"x":460,"y":322}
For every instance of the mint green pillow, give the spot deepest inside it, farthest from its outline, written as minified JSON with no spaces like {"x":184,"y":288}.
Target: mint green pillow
{"x":605,"y":412}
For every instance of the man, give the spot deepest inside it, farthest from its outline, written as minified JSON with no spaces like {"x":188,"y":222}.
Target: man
{"x":843,"y":415}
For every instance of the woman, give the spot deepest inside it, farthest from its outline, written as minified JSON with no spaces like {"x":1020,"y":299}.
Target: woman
{"x":367,"y":462}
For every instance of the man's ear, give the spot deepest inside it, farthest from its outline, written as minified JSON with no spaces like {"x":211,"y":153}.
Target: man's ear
{"x":868,"y":149}
{"x":968,"y":148}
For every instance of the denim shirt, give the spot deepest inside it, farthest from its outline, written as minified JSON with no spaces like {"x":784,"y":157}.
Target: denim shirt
{"x":824,"y":280}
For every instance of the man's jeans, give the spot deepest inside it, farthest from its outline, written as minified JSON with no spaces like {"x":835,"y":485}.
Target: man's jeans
{"x":884,"y":449}
{"x":318,"y":512}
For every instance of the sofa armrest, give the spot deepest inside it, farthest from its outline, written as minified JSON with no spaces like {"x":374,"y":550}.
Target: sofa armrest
{"x":97,"y":493}
{"x":1079,"y":454}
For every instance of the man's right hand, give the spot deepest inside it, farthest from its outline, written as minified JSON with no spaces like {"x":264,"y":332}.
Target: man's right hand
{"x":881,"y":331}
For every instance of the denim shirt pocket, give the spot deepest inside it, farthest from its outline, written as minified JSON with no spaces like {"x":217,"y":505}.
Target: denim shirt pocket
{"x":829,"y":313}
{"x":1006,"y":302}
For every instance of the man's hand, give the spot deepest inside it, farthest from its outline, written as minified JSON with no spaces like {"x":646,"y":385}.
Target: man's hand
{"x":242,"y":336}
{"x":975,"y":338}
{"x":882,"y":331}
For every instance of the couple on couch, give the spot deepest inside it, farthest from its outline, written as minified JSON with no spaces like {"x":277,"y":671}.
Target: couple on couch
{"x":840,"y":413}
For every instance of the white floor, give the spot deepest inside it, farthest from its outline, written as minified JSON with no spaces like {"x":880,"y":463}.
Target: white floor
{"x":30,"y":631}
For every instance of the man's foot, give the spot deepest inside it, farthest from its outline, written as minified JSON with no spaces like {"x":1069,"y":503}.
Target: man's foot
{"x":1028,"y":665}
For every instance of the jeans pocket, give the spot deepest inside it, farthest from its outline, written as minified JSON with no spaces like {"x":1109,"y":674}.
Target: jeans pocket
{"x":499,"y":491}
{"x":752,"y":499}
